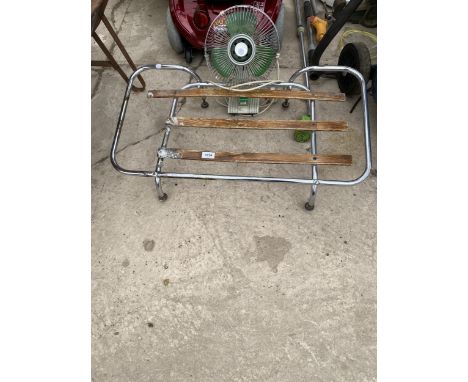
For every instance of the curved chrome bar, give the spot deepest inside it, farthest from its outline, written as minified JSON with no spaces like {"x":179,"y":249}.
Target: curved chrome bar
{"x":123,"y":111}
{"x":365,"y":115}
{"x":325,"y":69}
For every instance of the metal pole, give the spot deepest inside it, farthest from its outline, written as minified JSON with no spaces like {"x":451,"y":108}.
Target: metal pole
{"x":310,"y":106}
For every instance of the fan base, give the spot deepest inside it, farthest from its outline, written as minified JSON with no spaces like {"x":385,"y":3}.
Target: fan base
{"x":243,"y":105}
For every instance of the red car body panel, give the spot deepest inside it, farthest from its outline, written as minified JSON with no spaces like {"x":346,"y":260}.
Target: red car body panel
{"x":182,"y":12}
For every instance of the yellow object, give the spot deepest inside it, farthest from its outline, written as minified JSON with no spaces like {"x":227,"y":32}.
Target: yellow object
{"x":371,"y":36}
{"x":320,"y":26}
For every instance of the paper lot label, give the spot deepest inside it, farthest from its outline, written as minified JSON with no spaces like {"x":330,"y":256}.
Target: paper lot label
{"x":207,"y":155}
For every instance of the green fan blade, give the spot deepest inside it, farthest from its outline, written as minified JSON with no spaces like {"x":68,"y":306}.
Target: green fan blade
{"x":220,"y":61}
{"x":241,"y":22}
{"x":264,"y":58}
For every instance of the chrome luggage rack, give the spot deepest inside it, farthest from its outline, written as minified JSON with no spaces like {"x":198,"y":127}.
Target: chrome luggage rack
{"x":284,"y":90}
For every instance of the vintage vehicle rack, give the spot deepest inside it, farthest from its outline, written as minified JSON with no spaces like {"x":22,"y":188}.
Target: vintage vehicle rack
{"x":284,"y":90}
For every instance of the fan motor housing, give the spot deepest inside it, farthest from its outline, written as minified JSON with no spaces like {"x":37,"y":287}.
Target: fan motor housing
{"x":241,"y":49}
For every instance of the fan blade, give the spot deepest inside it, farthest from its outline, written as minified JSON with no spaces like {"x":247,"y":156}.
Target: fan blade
{"x":263,"y":59}
{"x":241,"y":22}
{"x":221,"y":61}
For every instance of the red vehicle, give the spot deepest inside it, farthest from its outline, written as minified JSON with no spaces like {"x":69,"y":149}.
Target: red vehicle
{"x":188,"y":21}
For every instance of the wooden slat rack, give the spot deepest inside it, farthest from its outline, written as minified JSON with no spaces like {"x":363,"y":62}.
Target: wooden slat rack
{"x":287,"y":90}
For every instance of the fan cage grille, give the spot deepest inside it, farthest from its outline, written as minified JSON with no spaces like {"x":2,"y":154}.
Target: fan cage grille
{"x":226,"y":30}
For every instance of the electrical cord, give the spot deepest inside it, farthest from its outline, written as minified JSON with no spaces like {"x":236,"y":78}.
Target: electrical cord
{"x":225,"y":104}
{"x":270,"y":104}
{"x":262,"y":83}
{"x":235,"y":87}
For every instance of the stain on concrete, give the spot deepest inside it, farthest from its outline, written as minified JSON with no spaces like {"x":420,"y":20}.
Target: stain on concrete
{"x":148,"y":245}
{"x":166,"y":282}
{"x":114,"y":9}
{"x":150,"y":324}
{"x":125,"y":263}
{"x":97,"y":83}
{"x":271,"y":249}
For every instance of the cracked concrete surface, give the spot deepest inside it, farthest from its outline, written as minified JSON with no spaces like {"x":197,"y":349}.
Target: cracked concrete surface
{"x":225,"y":281}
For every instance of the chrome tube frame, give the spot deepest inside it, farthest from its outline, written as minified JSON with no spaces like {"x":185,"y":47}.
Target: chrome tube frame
{"x":365,"y":116}
{"x":310,"y":104}
{"x":123,"y":111}
{"x":157,"y":173}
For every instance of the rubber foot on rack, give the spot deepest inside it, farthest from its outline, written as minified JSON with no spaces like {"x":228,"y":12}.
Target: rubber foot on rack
{"x":163,"y":198}
{"x":308,"y":207}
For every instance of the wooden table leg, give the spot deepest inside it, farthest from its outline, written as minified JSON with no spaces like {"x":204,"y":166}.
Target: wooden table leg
{"x":111,"y":59}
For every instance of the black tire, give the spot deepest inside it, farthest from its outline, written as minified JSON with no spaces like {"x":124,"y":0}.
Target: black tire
{"x":188,"y":53}
{"x":338,"y":5}
{"x":175,"y":39}
{"x":355,"y":55}
{"x":374,"y":82}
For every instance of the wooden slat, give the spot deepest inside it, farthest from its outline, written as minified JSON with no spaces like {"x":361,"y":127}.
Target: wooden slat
{"x":259,"y":93}
{"x":276,"y":158}
{"x":224,"y":123}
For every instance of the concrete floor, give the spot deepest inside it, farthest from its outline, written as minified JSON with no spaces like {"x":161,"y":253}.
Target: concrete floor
{"x":225,"y":281}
